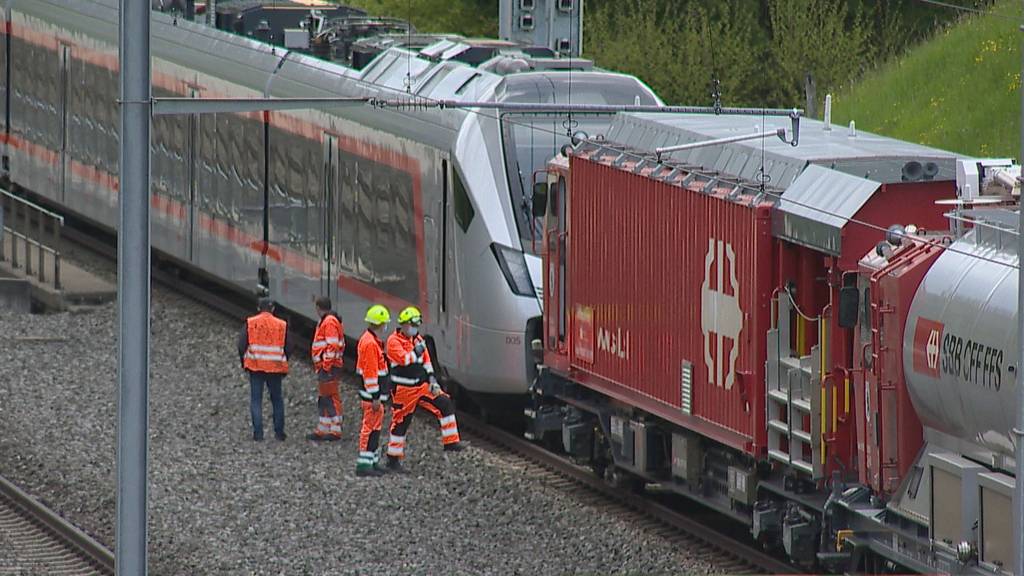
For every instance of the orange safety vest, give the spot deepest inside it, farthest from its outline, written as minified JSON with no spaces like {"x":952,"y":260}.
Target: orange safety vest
{"x":328,"y":344}
{"x":370,"y":366}
{"x":265,"y":352}
{"x":406,"y":368}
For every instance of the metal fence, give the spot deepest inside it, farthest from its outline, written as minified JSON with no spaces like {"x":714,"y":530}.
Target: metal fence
{"x":35,"y":234}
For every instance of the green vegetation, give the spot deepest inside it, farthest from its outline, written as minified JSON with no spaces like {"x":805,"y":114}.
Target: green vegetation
{"x":467,"y":17}
{"x":905,"y":69}
{"x":762,"y":51}
{"x":960,"y":91}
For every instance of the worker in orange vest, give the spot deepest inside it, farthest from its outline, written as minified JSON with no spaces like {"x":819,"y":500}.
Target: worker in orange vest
{"x":263,"y":351}
{"x":373,"y":371}
{"x":327,"y":350}
{"x":415,"y":385}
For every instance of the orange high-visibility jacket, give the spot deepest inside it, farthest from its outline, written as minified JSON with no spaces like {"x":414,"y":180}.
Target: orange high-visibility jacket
{"x":407,"y":369}
{"x":371,"y":367}
{"x":265,"y":352}
{"x":328,"y":343}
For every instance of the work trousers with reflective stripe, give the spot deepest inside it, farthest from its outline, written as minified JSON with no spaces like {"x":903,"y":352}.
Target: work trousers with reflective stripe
{"x":442,"y":407}
{"x":369,"y":433}
{"x":403,"y":405}
{"x":328,"y":405}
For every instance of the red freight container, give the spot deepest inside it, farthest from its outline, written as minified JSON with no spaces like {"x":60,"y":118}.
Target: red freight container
{"x":669,"y":283}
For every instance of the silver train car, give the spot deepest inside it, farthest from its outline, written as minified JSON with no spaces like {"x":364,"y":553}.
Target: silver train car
{"x":423,"y":207}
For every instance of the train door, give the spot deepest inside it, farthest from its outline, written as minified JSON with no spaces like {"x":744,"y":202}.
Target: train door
{"x":191,"y":173}
{"x":445,"y":257}
{"x":63,"y":100}
{"x":328,"y":218}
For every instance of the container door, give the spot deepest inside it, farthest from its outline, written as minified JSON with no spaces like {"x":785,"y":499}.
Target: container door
{"x":62,"y":116}
{"x":328,"y":220}
{"x":554,"y":292}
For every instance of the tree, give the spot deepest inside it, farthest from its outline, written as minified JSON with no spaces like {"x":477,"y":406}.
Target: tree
{"x":825,"y":38}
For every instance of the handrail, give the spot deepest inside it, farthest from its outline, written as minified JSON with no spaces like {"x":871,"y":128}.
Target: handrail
{"x":16,"y":218}
{"x":33,"y":205}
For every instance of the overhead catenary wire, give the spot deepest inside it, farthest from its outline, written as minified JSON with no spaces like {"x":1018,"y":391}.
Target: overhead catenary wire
{"x":481,"y":111}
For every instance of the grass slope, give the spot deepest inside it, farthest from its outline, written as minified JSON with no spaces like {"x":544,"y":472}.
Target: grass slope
{"x":959,"y":91}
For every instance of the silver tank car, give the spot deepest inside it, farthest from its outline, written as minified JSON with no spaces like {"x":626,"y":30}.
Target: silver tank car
{"x":960,"y":342}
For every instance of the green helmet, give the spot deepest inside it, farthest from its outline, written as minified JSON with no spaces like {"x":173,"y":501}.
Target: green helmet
{"x":410,"y":314}
{"x":377,"y":315}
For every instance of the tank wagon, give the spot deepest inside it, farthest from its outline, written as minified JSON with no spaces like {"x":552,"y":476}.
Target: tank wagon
{"x":400,"y":207}
{"x":743,"y":326}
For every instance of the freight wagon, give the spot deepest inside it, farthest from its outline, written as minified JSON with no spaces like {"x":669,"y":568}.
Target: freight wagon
{"x":712,"y":324}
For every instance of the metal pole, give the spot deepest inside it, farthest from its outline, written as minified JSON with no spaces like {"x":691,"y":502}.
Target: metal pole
{"x":133,"y":288}
{"x":781,"y":133}
{"x":1018,"y":492}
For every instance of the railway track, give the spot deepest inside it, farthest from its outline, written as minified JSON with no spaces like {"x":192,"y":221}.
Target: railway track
{"x":725,"y":553}
{"x":38,"y":541}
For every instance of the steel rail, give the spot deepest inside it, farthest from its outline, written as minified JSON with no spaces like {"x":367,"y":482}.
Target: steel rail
{"x":74,"y":551}
{"x":729,"y":554}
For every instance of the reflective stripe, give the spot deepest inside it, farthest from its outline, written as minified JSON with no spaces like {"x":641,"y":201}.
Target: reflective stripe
{"x":449,"y":419}
{"x":429,"y":368}
{"x":372,"y":388}
{"x":382,"y":373}
{"x":263,"y":348}
{"x":364,"y":462}
{"x":449,"y":432}
{"x":367,"y":454}
{"x":410,"y":357}
{"x":396,"y":446}
{"x":404,"y":380}
{"x":370,"y":382}
{"x":365,"y":395}
{"x":276,"y":357}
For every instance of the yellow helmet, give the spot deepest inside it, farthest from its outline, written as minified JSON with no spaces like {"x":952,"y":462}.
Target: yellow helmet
{"x":377,"y":315}
{"x":410,"y":314}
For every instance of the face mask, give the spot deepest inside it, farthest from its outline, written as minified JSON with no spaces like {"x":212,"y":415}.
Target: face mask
{"x":412,"y":331}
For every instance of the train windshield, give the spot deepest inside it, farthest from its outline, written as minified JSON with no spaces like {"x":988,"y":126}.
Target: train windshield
{"x":531,"y":140}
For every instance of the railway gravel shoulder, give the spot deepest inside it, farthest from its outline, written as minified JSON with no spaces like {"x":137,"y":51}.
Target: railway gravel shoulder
{"x":717,"y":549}
{"x":220,"y":503}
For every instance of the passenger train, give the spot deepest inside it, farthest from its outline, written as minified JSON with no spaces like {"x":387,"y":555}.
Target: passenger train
{"x":430,"y":208}
{"x":740,"y":324}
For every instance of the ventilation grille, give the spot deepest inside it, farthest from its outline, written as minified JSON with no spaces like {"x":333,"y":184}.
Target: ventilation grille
{"x":686,"y":387}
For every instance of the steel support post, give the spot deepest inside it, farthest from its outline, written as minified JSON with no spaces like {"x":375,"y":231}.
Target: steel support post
{"x":1018,"y":492}
{"x":133,"y":288}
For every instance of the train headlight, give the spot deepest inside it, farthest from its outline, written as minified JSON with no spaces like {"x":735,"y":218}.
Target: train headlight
{"x":513,"y":267}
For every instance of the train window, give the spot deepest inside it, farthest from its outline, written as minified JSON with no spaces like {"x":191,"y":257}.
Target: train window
{"x":464,"y":211}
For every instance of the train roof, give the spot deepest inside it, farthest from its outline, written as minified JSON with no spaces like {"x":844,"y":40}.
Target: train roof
{"x":864,"y":155}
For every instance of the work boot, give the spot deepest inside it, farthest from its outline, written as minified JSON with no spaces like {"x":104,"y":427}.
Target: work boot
{"x":454,"y":447}
{"x":394,"y":466}
{"x":281,"y":437}
{"x":369,"y":471}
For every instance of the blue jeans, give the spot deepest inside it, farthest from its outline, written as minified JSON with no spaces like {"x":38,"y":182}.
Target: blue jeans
{"x":273,"y":383}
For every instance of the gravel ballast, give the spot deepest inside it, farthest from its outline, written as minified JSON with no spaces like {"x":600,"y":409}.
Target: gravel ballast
{"x":220,"y":503}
